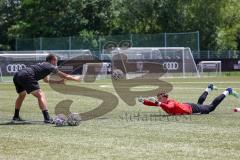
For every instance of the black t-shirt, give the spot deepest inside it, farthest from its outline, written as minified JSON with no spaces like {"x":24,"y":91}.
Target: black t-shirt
{"x":41,"y":70}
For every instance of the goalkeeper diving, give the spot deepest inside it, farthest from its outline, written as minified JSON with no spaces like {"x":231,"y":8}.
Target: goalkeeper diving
{"x":173,"y":107}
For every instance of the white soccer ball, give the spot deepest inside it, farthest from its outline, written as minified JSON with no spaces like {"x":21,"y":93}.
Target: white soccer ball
{"x":73,"y":119}
{"x":117,"y":74}
{"x":60,"y":120}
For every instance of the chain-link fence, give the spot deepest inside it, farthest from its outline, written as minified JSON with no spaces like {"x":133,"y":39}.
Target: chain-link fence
{"x":221,"y":54}
{"x":97,"y":43}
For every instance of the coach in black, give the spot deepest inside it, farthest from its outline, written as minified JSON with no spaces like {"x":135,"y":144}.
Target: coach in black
{"x":26,"y":82}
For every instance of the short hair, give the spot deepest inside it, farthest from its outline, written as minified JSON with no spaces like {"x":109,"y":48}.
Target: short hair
{"x":50,"y":57}
{"x":163,"y":94}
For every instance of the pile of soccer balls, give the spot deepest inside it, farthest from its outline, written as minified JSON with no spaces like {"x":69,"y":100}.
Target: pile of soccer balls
{"x":73,"y":119}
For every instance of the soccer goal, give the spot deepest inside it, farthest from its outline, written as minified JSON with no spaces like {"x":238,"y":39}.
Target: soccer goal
{"x":175,"y":61}
{"x":96,"y":71}
{"x":210,"y":68}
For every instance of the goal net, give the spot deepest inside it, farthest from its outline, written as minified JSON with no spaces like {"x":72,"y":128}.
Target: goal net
{"x":210,"y":68}
{"x":175,"y":61}
{"x":95,"y":71}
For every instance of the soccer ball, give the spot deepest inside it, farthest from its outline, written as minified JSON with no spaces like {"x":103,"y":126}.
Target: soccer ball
{"x":60,"y":120}
{"x":73,"y":119}
{"x":117,"y":74}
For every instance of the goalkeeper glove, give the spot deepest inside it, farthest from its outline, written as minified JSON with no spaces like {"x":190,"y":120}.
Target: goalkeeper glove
{"x":140,"y":99}
{"x":153,"y":99}
{"x":157,"y":103}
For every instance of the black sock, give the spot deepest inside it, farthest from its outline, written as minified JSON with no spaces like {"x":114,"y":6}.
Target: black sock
{"x":46,"y":115}
{"x":16,"y":113}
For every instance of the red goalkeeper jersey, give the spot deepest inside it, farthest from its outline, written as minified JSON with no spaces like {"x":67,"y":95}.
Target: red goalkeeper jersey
{"x":172,"y":107}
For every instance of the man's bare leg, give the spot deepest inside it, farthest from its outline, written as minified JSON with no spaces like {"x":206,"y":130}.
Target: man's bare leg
{"x":42,"y":102}
{"x":18,"y":104}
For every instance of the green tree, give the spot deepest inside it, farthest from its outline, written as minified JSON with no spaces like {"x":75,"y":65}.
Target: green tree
{"x":62,"y":18}
{"x":216,"y":20}
{"x":138,"y":16}
{"x":152,"y":16}
{"x":229,"y":31}
{"x":206,"y":17}
{"x":8,"y":17}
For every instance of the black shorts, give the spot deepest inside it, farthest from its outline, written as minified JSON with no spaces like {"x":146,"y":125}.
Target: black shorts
{"x":200,"y":108}
{"x":25,"y":81}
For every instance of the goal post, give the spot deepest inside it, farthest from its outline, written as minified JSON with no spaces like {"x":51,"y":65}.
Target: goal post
{"x":212,"y":68}
{"x":95,"y":71}
{"x":1,"y":77}
{"x":176,"y":61}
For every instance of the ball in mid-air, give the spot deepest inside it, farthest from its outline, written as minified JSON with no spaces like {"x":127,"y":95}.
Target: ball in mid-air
{"x":117,"y":74}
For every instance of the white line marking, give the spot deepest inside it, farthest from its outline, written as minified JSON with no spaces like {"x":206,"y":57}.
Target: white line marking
{"x":152,"y":87}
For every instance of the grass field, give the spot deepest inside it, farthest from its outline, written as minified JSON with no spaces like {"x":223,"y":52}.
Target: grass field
{"x":120,"y":134}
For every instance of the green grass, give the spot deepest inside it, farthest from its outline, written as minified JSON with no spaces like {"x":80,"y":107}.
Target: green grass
{"x":213,"y":136}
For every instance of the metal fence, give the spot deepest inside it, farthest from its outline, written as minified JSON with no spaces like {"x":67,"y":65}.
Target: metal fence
{"x":85,"y":54}
{"x":221,"y":54}
{"x":97,"y":43}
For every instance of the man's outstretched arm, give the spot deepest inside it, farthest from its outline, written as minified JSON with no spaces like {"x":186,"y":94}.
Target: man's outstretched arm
{"x":147,"y":102}
{"x":68,"y":77}
{"x":48,"y":80}
{"x":156,"y":103}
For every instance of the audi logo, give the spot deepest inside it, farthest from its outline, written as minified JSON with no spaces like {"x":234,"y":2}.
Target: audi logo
{"x":13,"y":68}
{"x":171,"y":65}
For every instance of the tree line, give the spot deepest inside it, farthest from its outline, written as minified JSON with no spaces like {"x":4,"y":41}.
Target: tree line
{"x":218,"y":21}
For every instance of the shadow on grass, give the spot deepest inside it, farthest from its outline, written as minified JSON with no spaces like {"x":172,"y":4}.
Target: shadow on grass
{"x":22,"y":123}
